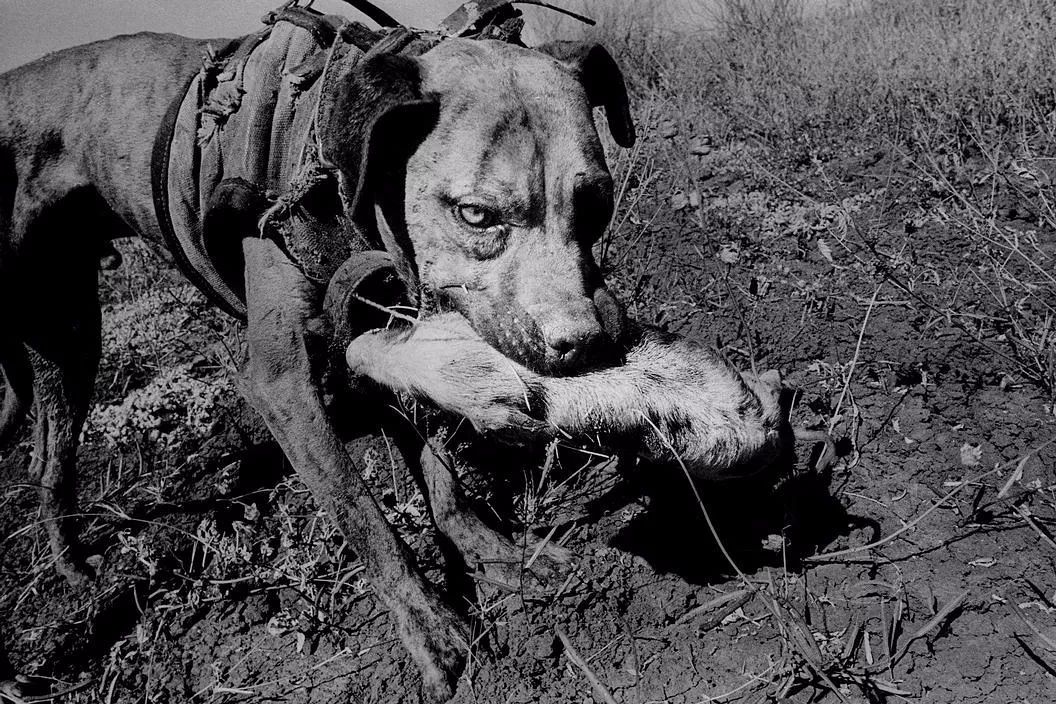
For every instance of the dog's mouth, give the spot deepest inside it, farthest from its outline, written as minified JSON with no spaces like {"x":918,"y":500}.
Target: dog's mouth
{"x":508,"y":328}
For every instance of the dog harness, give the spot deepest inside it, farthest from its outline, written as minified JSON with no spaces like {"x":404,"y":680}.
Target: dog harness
{"x":254,"y":145}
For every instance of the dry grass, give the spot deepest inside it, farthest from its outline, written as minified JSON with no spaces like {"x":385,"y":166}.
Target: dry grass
{"x":962,"y":94}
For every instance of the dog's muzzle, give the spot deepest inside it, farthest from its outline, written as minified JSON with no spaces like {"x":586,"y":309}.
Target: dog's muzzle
{"x":556,"y":342}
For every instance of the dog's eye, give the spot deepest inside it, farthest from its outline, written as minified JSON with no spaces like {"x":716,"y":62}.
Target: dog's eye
{"x":477,"y":216}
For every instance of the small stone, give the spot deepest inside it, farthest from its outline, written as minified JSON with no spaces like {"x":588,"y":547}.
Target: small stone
{"x":698,"y":146}
{"x":729,"y":252}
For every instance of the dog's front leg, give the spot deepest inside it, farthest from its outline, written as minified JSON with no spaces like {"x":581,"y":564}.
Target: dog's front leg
{"x":283,"y":388}
{"x":480,"y":545}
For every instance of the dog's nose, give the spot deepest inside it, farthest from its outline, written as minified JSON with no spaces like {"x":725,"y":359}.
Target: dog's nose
{"x":572,"y":345}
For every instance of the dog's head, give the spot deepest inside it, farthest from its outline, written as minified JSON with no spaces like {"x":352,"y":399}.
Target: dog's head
{"x":504,"y":192}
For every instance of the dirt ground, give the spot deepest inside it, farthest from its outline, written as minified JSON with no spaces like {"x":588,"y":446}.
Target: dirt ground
{"x":222,"y":582}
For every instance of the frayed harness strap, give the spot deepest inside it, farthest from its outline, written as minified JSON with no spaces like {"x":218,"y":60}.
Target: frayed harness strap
{"x":159,"y":182}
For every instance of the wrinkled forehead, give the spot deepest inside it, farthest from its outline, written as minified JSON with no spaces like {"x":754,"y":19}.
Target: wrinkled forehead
{"x":500,"y":100}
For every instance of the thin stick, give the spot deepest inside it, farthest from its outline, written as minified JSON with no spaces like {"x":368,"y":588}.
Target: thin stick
{"x":386,"y":309}
{"x":854,"y":359}
{"x":724,"y":604}
{"x":1047,"y":640}
{"x":1036,"y":526}
{"x":575,"y":15}
{"x":539,"y":548}
{"x":937,"y":619}
{"x":572,"y":654}
{"x":908,"y":527}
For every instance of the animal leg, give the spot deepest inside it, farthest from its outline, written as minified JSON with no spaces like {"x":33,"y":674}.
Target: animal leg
{"x":17,"y":376}
{"x":64,"y":362}
{"x":283,"y":387}
{"x":479,"y":544}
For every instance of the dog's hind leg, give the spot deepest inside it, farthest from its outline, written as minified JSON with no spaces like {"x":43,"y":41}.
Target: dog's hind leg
{"x":64,"y":353}
{"x":16,"y":380}
{"x":17,"y":376}
{"x":283,"y":387}
{"x":55,"y":267}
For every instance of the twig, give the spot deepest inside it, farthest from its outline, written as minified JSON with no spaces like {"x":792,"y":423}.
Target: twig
{"x":908,"y":527}
{"x":572,"y":654}
{"x":854,"y":359}
{"x":723,"y":605}
{"x":1035,"y":525}
{"x":1047,"y":640}
{"x":935,"y":621}
{"x":755,"y":679}
{"x":539,"y":548}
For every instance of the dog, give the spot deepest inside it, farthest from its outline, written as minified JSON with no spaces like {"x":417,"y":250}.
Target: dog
{"x":480,"y":172}
{"x":497,"y":205}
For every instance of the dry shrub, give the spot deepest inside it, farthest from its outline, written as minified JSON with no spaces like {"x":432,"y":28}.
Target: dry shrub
{"x":772,"y":67}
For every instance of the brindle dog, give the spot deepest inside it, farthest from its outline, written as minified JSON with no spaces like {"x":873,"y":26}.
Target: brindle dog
{"x":502,"y":202}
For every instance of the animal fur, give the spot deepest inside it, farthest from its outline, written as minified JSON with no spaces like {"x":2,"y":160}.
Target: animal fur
{"x":670,"y":396}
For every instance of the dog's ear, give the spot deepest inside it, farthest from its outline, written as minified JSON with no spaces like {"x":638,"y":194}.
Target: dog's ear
{"x":370,"y":119}
{"x":377,"y":207}
{"x":357,"y":89}
{"x":601,"y":76}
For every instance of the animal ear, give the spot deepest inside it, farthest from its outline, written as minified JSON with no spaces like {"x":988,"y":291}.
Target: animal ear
{"x":377,"y":207}
{"x":603,"y":80}
{"x":356,"y":90}
{"x":370,"y":118}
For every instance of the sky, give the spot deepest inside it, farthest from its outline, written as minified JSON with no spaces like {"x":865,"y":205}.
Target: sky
{"x":31,"y":28}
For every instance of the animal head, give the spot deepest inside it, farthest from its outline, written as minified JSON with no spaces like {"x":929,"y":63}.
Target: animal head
{"x":488,"y":174}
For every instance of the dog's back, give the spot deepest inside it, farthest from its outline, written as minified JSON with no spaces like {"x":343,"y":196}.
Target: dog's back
{"x":76,"y":132}
{"x":77,"y":118}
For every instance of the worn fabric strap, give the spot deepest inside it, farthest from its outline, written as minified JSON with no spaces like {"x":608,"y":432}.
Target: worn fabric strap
{"x":346,"y":289}
{"x":159,"y":181}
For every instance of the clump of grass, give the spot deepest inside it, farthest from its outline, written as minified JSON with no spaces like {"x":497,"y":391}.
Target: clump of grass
{"x":173,"y":406}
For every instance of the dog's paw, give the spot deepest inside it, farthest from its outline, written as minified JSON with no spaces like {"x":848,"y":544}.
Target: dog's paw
{"x":437,"y":640}
{"x":78,"y":573}
{"x":530,"y":568}
{"x":549,"y":566}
